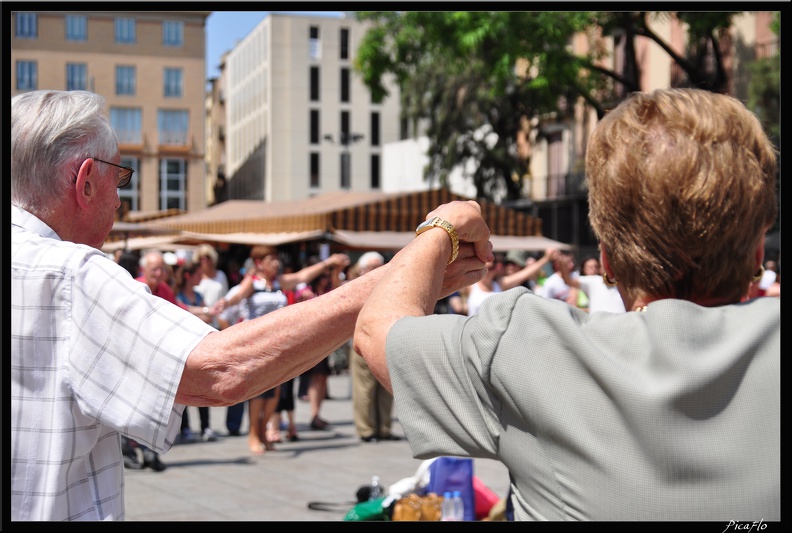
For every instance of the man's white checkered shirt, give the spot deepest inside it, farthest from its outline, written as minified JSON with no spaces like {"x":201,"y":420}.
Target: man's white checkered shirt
{"x":93,"y":354}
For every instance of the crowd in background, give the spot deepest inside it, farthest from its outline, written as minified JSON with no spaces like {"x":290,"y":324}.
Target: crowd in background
{"x":198,"y":277}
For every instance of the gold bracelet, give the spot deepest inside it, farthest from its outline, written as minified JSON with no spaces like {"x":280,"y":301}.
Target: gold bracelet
{"x":437,"y":222}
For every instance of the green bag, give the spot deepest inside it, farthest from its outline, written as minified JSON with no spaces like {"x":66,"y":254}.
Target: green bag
{"x":370,"y":510}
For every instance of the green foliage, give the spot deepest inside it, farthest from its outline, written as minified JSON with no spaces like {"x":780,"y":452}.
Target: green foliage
{"x":764,"y":94}
{"x":456,"y":72}
{"x":469,"y":74}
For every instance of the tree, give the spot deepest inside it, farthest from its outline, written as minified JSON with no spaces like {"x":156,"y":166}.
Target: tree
{"x":457,"y":74}
{"x":764,"y":92}
{"x":478,"y":79}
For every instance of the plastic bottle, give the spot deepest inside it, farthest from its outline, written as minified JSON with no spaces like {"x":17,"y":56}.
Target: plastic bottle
{"x":458,"y":505}
{"x":376,"y":488}
{"x":447,"y":508}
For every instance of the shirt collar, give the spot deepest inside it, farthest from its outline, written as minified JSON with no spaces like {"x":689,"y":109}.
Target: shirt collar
{"x":30,"y":222}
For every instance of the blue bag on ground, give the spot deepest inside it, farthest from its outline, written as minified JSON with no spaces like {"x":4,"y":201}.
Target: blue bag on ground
{"x":447,"y":474}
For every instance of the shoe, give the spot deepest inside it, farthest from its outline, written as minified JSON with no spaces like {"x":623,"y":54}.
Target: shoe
{"x":208,"y":435}
{"x":152,"y":460}
{"x":131,"y":460}
{"x":370,"y":438}
{"x":234,"y":433}
{"x":318,"y":423}
{"x":390,"y":437}
{"x":292,"y":434}
{"x":187,"y":437}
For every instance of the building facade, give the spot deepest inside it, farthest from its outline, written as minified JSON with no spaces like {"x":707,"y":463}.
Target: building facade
{"x":555,"y":189}
{"x":298,"y":119}
{"x":150,"y":66}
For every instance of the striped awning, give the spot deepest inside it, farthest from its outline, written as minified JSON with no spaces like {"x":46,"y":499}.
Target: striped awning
{"x":342,"y":210}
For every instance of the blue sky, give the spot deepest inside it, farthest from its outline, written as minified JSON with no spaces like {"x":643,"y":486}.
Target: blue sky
{"x":225,"y":28}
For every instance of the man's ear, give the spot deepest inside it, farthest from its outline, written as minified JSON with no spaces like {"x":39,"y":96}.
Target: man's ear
{"x":83,"y":188}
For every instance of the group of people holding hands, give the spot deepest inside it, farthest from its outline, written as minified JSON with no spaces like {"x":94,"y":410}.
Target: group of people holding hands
{"x":668,"y":411}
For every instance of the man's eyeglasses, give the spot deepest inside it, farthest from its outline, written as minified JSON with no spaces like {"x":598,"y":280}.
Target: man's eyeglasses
{"x":124,"y":176}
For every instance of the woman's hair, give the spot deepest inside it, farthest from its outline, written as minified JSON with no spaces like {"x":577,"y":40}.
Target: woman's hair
{"x":682,"y":186}
{"x":191,"y":269}
{"x":206,"y":250}
{"x":587,"y":259}
{"x":261,"y":251}
{"x":52,"y":133}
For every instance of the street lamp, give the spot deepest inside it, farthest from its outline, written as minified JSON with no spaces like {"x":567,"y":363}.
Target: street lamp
{"x":346,"y":139}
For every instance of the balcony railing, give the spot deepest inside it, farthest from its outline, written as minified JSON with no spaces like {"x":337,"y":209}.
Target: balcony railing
{"x":128,"y":136}
{"x":558,"y":186}
{"x":173,"y":138}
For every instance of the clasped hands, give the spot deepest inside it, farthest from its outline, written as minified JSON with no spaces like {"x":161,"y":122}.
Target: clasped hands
{"x":475,"y":247}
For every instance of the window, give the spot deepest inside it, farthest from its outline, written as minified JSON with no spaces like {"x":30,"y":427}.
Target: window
{"x":173,"y":127}
{"x":344,"y":84}
{"x":344,"y":125}
{"x":375,"y":171}
{"x":76,"y":28}
{"x":375,"y":129}
{"x":76,"y":76}
{"x":27,"y":75}
{"x":130,"y":195}
{"x":314,"y":84}
{"x":555,"y":163}
{"x":346,"y":161}
{"x":345,"y":156}
{"x":26,"y":26}
{"x":173,"y":184}
{"x":173,"y":82}
{"x":344,"y":43}
{"x":125,"y":31}
{"x":314,"y":170}
{"x":125,"y":81}
{"x":172,"y":33}
{"x":314,"y":126}
{"x":314,"y":45}
{"x":126,"y":124}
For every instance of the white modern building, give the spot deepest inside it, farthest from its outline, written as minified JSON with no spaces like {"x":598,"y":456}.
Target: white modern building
{"x":298,"y":119}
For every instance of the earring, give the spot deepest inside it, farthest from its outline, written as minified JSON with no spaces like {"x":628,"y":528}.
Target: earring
{"x":759,"y":274}
{"x":607,"y":280}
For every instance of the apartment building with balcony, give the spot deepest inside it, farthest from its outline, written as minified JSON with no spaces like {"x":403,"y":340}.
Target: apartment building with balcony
{"x":215,"y":157}
{"x":555,"y":190}
{"x":150,"y":67}
{"x":298,"y":120}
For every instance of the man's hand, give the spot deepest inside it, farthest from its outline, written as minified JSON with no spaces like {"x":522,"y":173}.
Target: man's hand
{"x":337,"y":261}
{"x":419,"y":274}
{"x":475,"y":248}
{"x":465,"y":216}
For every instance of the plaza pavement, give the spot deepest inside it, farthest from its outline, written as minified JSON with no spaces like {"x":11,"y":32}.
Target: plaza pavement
{"x":214,"y":481}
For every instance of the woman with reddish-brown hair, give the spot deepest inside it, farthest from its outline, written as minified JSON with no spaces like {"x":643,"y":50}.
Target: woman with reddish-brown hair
{"x":263,"y":289}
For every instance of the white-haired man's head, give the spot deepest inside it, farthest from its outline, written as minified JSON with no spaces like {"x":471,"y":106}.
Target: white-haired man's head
{"x":369,"y":261}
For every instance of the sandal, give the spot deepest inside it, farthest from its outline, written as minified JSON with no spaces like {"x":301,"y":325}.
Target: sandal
{"x":318,"y":423}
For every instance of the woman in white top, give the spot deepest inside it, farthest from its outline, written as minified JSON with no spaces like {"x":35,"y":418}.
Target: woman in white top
{"x":494,"y":281}
{"x":263,"y":289}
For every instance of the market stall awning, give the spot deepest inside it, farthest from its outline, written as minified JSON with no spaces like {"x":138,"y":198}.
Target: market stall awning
{"x":342,"y":210}
{"x":188,"y":239}
{"x":392,"y":240}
